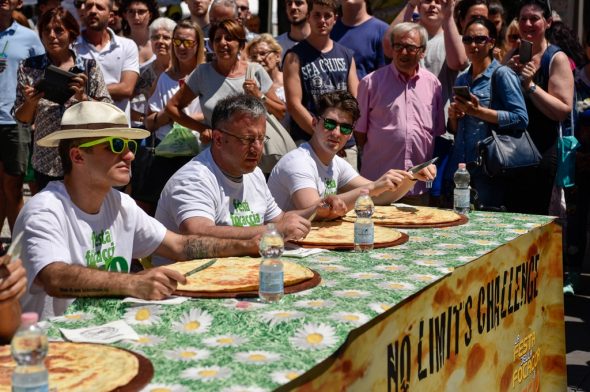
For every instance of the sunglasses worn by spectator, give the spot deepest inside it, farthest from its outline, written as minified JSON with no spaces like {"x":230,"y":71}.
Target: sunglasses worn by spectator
{"x":478,"y":39}
{"x":330,"y":125}
{"x":188,"y":43}
{"x":117,"y":144}
{"x":411,"y":49}
{"x":513,"y":37}
{"x":246,"y":140}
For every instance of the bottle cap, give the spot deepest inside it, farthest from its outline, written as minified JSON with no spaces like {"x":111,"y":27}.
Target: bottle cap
{"x":29,"y":318}
{"x":462,"y":166}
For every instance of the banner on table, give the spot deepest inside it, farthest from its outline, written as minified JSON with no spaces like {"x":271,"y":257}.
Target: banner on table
{"x":494,"y":324}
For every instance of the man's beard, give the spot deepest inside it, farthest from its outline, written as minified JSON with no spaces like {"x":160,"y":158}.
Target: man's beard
{"x":299,"y":22}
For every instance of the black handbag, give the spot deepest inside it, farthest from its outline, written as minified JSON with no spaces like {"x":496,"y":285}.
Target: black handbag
{"x":508,"y":152}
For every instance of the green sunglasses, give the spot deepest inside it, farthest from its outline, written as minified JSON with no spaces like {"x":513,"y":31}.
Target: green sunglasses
{"x":330,"y":125}
{"x":118,"y":145}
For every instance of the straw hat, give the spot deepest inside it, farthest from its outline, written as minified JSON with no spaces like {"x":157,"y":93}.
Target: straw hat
{"x":92,"y":119}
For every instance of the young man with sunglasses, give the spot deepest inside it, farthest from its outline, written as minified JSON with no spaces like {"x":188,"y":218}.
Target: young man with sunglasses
{"x":80,"y":235}
{"x":118,"y":57}
{"x":401,"y":111}
{"x":222,"y":192}
{"x":314,"y":171}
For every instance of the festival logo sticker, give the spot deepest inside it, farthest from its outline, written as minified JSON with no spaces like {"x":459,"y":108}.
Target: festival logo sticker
{"x":102,"y":255}
{"x":143,"y":315}
{"x":257,"y":357}
{"x":242,"y":216}
{"x":206,"y":373}
{"x":331,"y":187}
{"x":4,"y":57}
{"x":314,"y":336}
{"x":225,"y":341}
{"x":187,"y":354}
{"x":275,"y":317}
{"x":193,"y":322}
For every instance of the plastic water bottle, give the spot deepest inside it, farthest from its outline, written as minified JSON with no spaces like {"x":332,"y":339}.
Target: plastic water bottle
{"x":29,"y":348}
{"x":364,"y":235}
{"x":461,"y":195}
{"x":271,"y":288}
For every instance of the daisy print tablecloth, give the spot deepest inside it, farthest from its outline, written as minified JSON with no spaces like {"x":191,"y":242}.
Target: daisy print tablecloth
{"x":229,"y":345}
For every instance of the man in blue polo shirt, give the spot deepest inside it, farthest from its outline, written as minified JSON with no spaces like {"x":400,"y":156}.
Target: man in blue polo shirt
{"x":17,"y":43}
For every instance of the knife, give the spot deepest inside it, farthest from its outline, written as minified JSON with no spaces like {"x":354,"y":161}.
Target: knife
{"x":200,"y":268}
{"x":421,"y":166}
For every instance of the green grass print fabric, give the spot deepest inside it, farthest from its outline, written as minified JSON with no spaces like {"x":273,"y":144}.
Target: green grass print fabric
{"x":230,"y":345}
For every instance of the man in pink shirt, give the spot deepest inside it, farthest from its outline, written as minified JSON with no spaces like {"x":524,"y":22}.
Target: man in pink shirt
{"x":401,"y":110}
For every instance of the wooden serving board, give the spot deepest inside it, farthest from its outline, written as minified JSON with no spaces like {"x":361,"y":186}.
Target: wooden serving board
{"x":301,"y":286}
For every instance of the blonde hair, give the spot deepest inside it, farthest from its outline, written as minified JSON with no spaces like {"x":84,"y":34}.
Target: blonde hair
{"x":267,"y":39}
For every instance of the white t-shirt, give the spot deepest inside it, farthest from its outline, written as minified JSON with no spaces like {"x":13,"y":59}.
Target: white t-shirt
{"x":200,"y":189}
{"x":119,"y":55}
{"x":55,"y":229}
{"x":165,"y":89}
{"x":300,"y":169}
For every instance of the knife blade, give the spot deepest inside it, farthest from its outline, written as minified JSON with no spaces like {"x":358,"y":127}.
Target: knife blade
{"x":421,"y":166}
{"x":200,"y":268}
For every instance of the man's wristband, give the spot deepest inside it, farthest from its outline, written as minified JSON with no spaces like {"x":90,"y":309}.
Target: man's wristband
{"x":532,"y":88}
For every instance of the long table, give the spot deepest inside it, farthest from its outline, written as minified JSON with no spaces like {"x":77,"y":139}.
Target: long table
{"x":459,"y":308}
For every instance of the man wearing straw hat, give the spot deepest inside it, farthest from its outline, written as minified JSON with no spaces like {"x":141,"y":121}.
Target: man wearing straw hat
{"x":80,"y":235}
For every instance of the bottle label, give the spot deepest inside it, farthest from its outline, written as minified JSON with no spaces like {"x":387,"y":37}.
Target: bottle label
{"x":271,"y":282}
{"x":36,"y":388}
{"x":363,"y":233}
{"x":461,"y":198}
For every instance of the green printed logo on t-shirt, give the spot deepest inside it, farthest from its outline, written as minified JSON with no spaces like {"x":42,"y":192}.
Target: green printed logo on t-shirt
{"x":331,"y":187}
{"x":102,"y":255}
{"x":241,"y":216}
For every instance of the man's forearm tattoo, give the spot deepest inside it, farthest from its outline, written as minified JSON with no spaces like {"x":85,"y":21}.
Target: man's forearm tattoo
{"x":198,"y":248}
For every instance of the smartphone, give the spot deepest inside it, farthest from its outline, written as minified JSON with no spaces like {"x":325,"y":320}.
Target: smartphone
{"x":525,"y":51}
{"x":463,"y":92}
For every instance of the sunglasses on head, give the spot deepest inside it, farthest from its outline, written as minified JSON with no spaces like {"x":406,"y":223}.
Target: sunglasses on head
{"x":117,"y":144}
{"x":330,"y":125}
{"x":188,"y":43}
{"x":478,"y":39}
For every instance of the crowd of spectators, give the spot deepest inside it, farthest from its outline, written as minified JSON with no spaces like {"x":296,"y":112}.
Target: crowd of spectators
{"x":165,"y":74}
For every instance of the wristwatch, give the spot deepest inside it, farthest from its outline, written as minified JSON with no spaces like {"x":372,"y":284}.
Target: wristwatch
{"x":263,"y":98}
{"x":532,"y":88}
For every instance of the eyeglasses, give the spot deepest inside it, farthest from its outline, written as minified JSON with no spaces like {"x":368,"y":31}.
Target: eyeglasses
{"x":330,"y":125}
{"x":411,"y":49}
{"x":513,"y":37}
{"x":261,"y":55}
{"x":188,"y":43}
{"x":117,"y":144}
{"x":157,"y":37}
{"x":478,"y":39}
{"x":247,"y":140}
{"x":141,"y":12}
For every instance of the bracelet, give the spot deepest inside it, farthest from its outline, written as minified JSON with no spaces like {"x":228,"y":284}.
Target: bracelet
{"x":532,"y":88}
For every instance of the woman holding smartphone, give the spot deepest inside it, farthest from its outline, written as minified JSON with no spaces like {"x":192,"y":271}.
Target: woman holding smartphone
{"x":471,"y":116}
{"x":58,"y":29}
{"x":548,"y":86}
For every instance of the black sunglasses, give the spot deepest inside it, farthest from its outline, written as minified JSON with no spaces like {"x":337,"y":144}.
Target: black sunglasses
{"x":478,"y":39}
{"x":330,"y":125}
